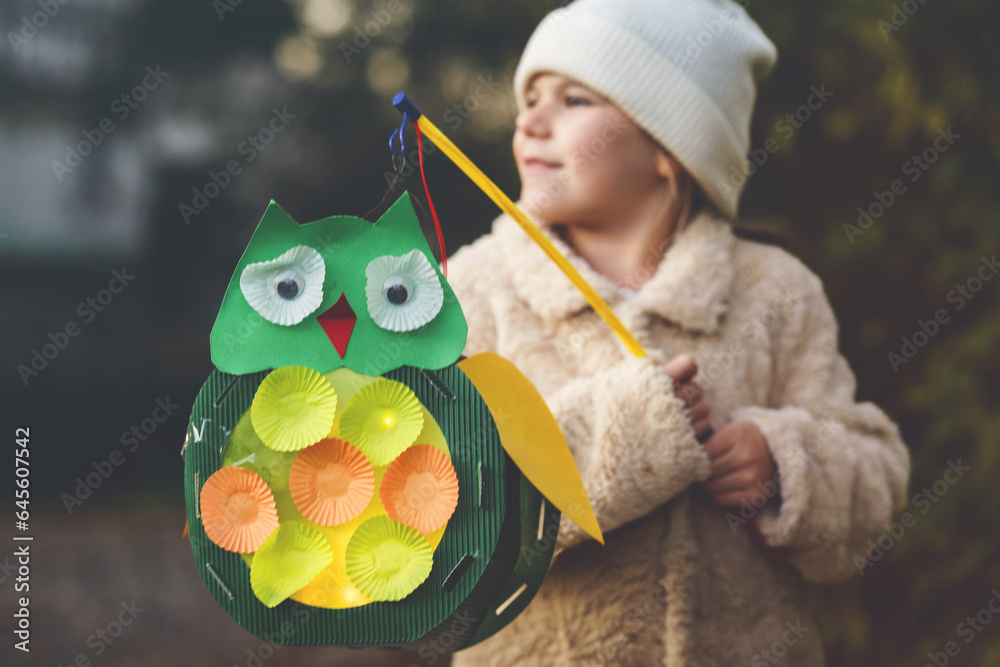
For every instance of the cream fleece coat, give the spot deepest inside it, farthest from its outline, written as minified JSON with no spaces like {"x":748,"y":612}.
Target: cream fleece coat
{"x":679,"y":581}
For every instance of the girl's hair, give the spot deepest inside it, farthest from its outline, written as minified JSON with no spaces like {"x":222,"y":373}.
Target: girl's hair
{"x":694,"y":200}
{"x":761,"y":234}
{"x":691,"y":198}
{"x":687,"y":191}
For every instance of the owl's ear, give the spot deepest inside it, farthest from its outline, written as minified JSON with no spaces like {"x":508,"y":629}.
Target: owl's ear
{"x":239,"y":339}
{"x":401,"y":220}
{"x":276,"y":217}
{"x":400,"y":209}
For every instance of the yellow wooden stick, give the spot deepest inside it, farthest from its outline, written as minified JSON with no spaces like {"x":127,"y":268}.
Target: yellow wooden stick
{"x":599,"y":305}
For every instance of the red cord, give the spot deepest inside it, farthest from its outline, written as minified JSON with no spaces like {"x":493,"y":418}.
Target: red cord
{"x":437,"y":223}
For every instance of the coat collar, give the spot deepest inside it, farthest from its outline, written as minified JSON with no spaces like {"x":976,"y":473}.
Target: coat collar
{"x":690,"y":287}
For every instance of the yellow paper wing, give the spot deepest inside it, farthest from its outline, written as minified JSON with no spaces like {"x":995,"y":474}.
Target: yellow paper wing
{"x":531,"y":437}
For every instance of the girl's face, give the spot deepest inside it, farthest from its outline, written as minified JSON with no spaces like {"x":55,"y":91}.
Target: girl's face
{"x":581,"y":160}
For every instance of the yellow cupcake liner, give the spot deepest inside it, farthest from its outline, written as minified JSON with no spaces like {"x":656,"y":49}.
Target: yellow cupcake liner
{"x":288,"y":560}
{"x":382,"y":419}
{"x":387,"y":560}
{"x":294,"y":407}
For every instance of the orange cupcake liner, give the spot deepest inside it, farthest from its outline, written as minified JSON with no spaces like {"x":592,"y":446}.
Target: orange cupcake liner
{"x":420,"y":488}
{"x":331,"y":482}
{"x":238,"y":510}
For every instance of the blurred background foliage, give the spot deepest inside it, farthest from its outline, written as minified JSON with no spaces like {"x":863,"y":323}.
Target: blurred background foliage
{"x":900,"y":73}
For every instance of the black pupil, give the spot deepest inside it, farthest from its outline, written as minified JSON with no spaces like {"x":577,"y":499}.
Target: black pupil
{"x":288,"y":289}
{"x":396,"y":294}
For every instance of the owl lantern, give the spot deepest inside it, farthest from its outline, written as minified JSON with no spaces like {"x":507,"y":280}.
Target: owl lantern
{"x":350,"y":479}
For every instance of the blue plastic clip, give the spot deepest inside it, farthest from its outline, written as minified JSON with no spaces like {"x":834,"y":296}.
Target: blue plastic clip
{"x":401,"y":134}
{"x":403,"y":103}
{"x":410,"y":112}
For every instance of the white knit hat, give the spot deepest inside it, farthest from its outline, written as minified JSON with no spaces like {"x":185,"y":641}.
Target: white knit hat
{"x":685,"y":71}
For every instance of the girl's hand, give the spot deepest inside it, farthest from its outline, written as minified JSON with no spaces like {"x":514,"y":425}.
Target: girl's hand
{"x":682,"y":370}
{"x":742,"y":465}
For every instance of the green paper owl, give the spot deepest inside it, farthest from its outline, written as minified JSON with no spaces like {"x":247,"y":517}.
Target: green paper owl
{"x":316,"y":317}
{"x":338,"y":292}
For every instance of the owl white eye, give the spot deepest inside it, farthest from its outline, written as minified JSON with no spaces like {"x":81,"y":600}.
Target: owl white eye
{"x":404,"y":293}
{"x":286,"y":289}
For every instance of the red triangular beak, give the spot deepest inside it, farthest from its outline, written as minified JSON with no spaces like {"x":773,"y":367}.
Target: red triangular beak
{"x":338,"y":323}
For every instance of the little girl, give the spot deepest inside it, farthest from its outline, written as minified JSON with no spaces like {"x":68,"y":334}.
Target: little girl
{"x":625,"y":142}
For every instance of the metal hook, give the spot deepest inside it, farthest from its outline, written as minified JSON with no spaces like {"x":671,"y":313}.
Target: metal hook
{"x":401,"y":133}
